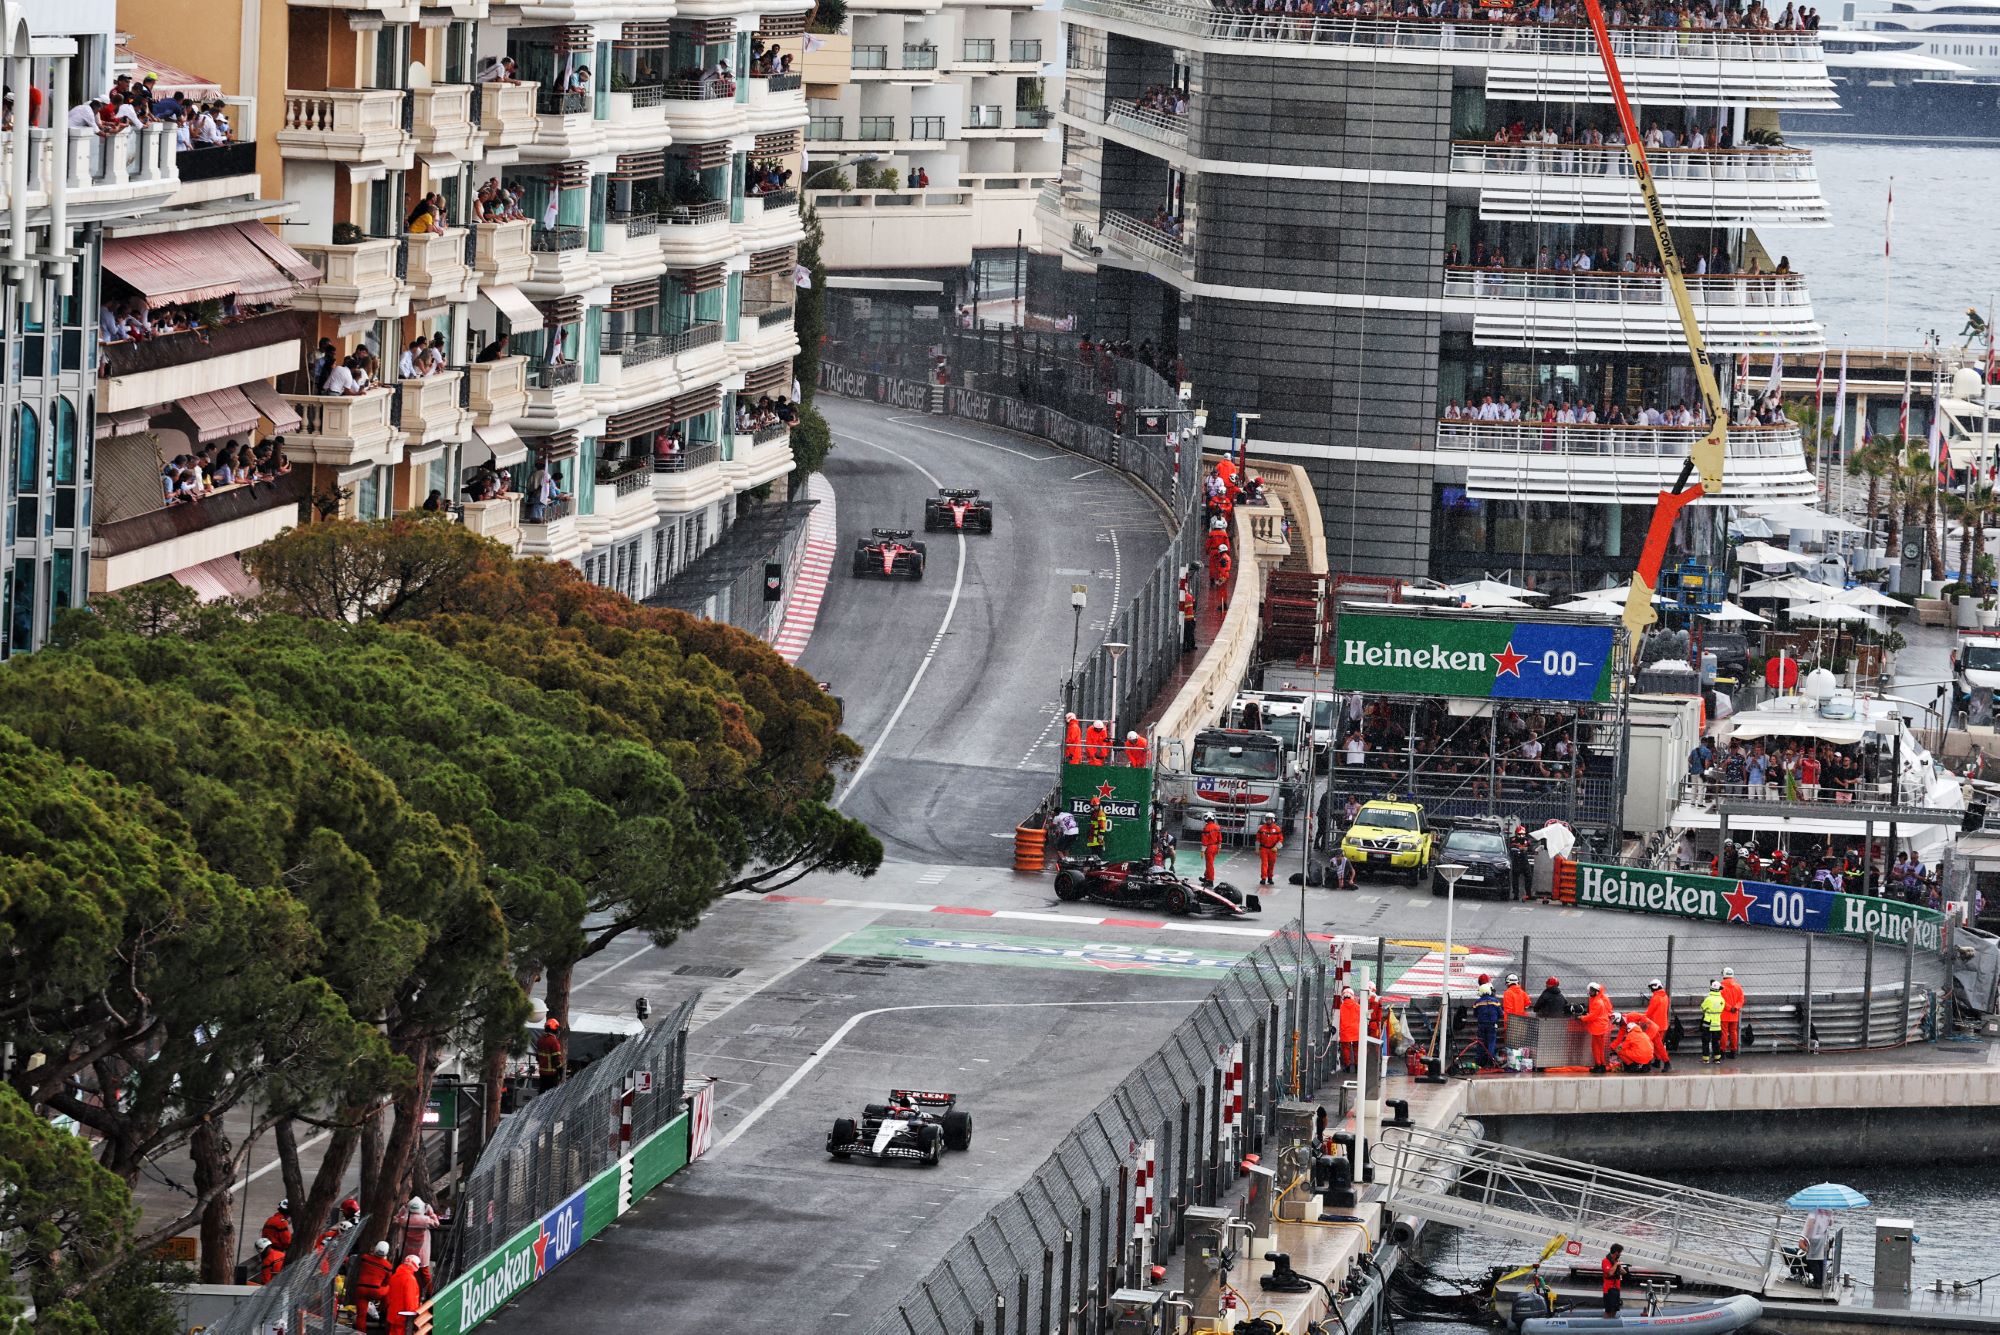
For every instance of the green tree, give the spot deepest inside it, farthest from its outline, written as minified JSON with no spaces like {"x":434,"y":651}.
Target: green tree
{"x":812,"y":438}
{"x":397,"y":570}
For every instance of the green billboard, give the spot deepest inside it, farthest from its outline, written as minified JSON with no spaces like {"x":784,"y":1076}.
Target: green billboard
{"x":1471,"y":657}
{"x":1126,"y":793}
{"x":1796,"y":908}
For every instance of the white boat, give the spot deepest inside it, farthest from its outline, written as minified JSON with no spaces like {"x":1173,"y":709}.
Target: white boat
{"x":1845,"y":719}
{"x":1894,"y":84}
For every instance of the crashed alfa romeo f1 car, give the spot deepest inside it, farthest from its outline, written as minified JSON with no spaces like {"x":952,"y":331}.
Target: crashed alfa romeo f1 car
{"x":915,"y":1125}
{"x":888,"y":552}
{"x":958,"y":508}
{"x":1139,"y":885}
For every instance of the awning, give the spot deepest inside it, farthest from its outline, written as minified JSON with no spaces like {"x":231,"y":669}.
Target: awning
{"x":172,"y":78}
{"x":505,"y":448}
{"x":694,"y":403}
{"x":209,"y":263}
{"x":638,"y":421}
{"x":218,"y":415}
{"x":219,"y":580}
{"x":523,"y":316}
{"x":268,"y":401}
{"x":772,"y":379}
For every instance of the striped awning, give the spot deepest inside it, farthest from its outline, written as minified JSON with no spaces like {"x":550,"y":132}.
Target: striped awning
{"x":644,"y":35}
{"x":561,"y":310}
{"x":694,"y":403}
{"x":557,"y":445}
{"x":219,"y":579}
{"x":641,"y":166}
{"x":639,"y":421}
{"x":766,"y":262}
{"x":781,"y":25}
{"x":772,"y":379}
{"x":777,"y":143}
{"x":634,"y":296}
{"x":265,"y":399}
{"x":575,"y":37}
{"x":710,"y":32}
{"x":702,"y":278}
{"x":218,"y":415}
{"x":243,"y":259}
{"x":702,"y":157}
{"x":572,"y":175}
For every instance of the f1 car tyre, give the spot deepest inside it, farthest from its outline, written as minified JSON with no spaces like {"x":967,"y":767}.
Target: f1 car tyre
{"x":860,"y":565}
{"x":875,"y":1110}
{"x":920,"y":569}
{"x":957,"y":1130}
{"x":1178,"y":902}
{"x":1229,"y":892}
{"x":933,"y":1144}
{"x":845,"y":1132}
{"x":1069,"y":886}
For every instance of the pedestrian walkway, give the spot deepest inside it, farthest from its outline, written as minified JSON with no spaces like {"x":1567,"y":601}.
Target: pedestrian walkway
{"x":816,"y":555}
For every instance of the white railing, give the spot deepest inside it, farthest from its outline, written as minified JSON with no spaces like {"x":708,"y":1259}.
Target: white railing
{"x":1626,"y":441}
{"x":343,"y":112}
{"x":1670,"y":164}
{"x":1709,"y":291}
{"x":91,"y":163}
{"x":1148,"y":123}
{"x":1470,"y":35}
{"x":1128,"y":233}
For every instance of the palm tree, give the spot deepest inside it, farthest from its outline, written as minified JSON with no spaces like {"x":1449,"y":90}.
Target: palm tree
{"x":1874,"y":461}
{"x":1966,"y":512}
{"x":1981,"y":499}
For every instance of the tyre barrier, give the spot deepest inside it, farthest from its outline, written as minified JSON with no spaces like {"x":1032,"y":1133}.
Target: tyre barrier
{"x":1030,"y":848}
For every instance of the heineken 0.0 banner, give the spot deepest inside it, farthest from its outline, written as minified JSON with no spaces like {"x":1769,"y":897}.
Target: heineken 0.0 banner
{"x":1758,"y":903}
{"x":1127,"y":796}
{"x":1472,"y":657}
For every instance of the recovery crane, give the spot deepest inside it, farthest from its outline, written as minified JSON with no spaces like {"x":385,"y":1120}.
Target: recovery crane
{"x":1706,"y":457}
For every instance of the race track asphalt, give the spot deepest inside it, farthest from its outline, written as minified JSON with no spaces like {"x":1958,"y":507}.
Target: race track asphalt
{"x":955,"y":762}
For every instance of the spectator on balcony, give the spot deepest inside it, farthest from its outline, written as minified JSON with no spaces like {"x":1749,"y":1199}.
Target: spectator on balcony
{"x":666,"y":448}
{"x":543,"y":493}
{"x":578,"y":81}
{"x":435,"y":503}
{"x":322,"y":364}
{"x":499,"y":69}
{"x":87,"y":118}
{"x":346,"y":380}
{"x":410,"y":366}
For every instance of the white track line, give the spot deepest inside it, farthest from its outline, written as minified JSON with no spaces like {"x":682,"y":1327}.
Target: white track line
{"x":937,"y":641}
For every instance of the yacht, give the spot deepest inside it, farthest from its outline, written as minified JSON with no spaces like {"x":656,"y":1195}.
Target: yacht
{"x":1915,"y":69}
{"x":1847,"y":720}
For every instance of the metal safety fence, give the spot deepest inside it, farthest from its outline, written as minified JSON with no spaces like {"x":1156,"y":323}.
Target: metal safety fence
{"x":1114,"y":411}
{"x":550,"y":1149}
{"x":1048,"y":1258}
{"x":302,"y":1300}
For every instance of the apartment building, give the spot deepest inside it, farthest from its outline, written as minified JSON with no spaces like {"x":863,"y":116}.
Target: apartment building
{"x":1355,"y":227}
{"x":57,"y":192}
{"x":936,"y":118}
{"x":599,"y":326}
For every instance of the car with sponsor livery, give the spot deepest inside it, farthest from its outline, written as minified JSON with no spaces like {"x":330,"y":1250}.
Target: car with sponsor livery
{"x":1390,"y":835}
{"x":1239,"y":774}
{"x":914,"y":1126}
{"x":958,"y":508}
{"x":1139,"y":885}
{"x":888,"y":552}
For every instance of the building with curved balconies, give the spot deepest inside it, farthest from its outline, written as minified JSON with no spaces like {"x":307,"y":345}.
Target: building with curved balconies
{"x":1401,"y":243}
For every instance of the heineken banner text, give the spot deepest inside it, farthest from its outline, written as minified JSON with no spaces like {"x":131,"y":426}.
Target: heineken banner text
{"x":1796,"y":908}
{"x":1472,"y":657}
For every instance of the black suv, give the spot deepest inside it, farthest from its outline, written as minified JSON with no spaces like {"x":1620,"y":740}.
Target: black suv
{"x":1481,"y":848}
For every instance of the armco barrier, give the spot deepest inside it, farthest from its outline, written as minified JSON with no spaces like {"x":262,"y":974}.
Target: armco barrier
{"x":499,"y":1277}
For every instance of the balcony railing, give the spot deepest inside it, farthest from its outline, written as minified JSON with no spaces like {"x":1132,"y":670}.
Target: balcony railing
{"x":787,"y":198}
{"x":343,"y":124}
{"x":635,"y":224}
{"x":695,"y":215}
{"x":979,"y":51}
{"x":695,"y":90}
{"x":646,"y":95}
{"x":563,"y":236}
{"x":876,"y":128}
{"x":497,"y":390}
{"x":764,"y":435}
{"x":1474,"y":35}
{"x":824,"y":127}
{"x":983,"y":118}
{"x":1021,"y":52}
{"x":140,"y":531}
{"x":556,"y":102}
{"x":1031,"y":118}
{"x":553,"y":375}
{"x":1599,"y":440}
{"x":927,"y":128}
{"x":501,"y":250}
{"x":695,"y":336}
{"x":688,"y":458}
{"x":344,"y":429}
{"x":635,"y":475}
{"x":871,"y":58}
{"x":785,"y":83}
{"x":1143,"y":239}
{"x":919,"y":57}
{"x":217,"y":162}
{"x":768,"y":312}
{"x":635,"y":349}
{"x":1147,"y":123}
{"x":1668,"y":164}
{"x":1623,"y":289}
{"x":506,"y":112}
{"x":241,"y":334}
{"x":441,"y":118}
{"x":547,"y":514}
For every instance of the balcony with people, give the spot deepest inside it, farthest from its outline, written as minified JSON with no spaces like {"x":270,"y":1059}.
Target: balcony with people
{"x":547,"y":502}
{"x":761,"y":450}
{"x":703,"y":100}
{"x":572,"y":100}
{"x":777,"y":99}
{"x":695,"y":214}
{"x":504,"y":109}
{"x":552,"y":370}
{"x":1159,"y":114}
{"x":688,"y":465}
{"x":114,"y":155}
{"x":349,"y":414}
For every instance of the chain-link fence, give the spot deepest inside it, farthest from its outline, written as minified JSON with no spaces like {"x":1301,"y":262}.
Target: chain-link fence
{"x":302,"y":1300}
{"x":1112,"y":410}
{"x":1065,"y":1241}
{"x":552,"y":1148}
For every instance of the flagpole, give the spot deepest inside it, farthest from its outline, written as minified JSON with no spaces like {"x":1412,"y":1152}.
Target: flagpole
{"x":1819,"y":427}
{"x":1888,"y":220}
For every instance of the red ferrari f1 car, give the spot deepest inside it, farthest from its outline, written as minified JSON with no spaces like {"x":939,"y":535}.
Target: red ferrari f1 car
{"x":958,"y":508}
{"x":888,"y":552}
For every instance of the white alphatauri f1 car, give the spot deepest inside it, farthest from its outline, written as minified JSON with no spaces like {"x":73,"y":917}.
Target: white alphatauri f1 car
{"x":915,"y":1126}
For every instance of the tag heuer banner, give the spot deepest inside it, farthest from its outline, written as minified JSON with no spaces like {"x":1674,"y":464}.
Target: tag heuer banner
{"x":1472,"y":657}
{"x":1757,"y":903}
{"x":1128,"y":799}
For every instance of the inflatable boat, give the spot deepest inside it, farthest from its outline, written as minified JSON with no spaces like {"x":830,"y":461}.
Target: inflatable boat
{"x":1529,"y":1315}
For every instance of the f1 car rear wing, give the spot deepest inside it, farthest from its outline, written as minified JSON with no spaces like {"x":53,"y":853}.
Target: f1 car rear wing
{"x":923,"y":1098}
{"x":958,"y":493}
{"x":891,"y":533}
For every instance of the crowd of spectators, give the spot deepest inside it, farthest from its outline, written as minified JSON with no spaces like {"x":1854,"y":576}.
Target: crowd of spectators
{"x":347,"y":375}
{"x":499,"y":202}
{"x":131,"y":319}
{"x":422,"y":358}
{"x":1696,"y":16}
{"x":1105,"y":355}
{"x":766,"y":61}
{"x":1457,"y":753}
{"x":1163,"y":98}
{"x":132,"y":105}
{"x":1602,"y":260}
{"x":1571,"y":412}
{"x":713,"y":82}
{"x":770,"y":176}
{"x":187,"y":479}
{"x":765,"y":411}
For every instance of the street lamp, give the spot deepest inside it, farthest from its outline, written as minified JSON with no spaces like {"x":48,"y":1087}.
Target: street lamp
{"x":1117,"y":651}
{"x":1079,"y":598}
{"x":1450,"y":871}
{"x":836,"y":166}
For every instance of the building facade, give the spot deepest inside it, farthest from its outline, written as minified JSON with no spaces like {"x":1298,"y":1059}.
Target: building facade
{"x":1354,"y":228}
{"x":930,"y":132}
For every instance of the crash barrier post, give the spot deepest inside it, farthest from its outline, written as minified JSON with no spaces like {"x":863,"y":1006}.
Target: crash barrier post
{"x":302,"y":1300}
{"x":1029,"y":847}
{"x":552,"y":1172}
{"x":1080,"y":1197}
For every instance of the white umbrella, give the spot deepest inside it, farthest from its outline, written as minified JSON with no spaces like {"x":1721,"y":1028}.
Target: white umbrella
{"x":1750,"y":526}
{"x":1788,"y":586}
{"x":1828,"y":612}
{"x":1603,"y":607}
{"x":1493,"y":588}
{"x":1863,"y":596}
{"x":1731,"y":612}
{"x":1764,"y":554}
{"x":1805,"y":518}
{"x":1489,"y":600}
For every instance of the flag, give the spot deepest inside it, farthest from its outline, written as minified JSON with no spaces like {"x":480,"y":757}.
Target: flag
{"x":1840,"y":400}
{"x":1776,"y":384}
{"x":1903,"y":414}
{"x":1867,"y":435}
{"x":1888,"y":216}
{"x":1819,"y":376}
{"x":801,"y":276}
{"x":1940,"y":451}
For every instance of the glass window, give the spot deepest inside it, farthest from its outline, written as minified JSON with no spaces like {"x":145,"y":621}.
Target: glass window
{"x":366,"y":496}
{"x":59,"y":583}
{"x":586,"y":476}
{"x":65,"y":451}
{"x":21,"y":636}
{"x":28,"y":449}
